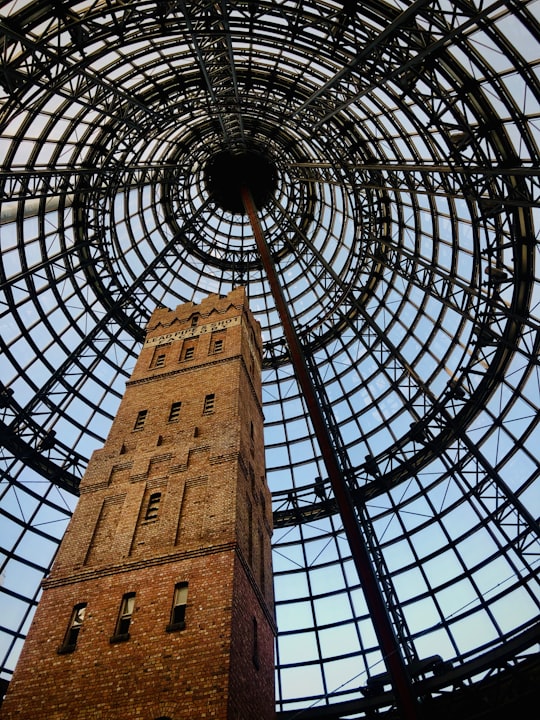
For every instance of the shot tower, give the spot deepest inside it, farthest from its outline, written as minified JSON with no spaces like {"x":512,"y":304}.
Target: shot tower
{"x":160,"y":602}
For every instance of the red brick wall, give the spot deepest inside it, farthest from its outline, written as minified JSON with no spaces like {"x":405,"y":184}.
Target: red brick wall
{"x":251,"y":689}
{"x":212,"y":530}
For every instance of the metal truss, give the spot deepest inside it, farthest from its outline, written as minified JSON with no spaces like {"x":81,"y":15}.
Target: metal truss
{"x":403,"y":230}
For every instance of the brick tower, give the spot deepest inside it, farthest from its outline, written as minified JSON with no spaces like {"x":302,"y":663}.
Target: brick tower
{"x":159,"y":604}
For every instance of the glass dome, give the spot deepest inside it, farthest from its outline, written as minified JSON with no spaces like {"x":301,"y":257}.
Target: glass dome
{"x":392,"y":150}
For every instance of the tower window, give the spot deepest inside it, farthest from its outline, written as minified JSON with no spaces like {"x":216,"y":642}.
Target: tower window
{"x":188,"y":349}
{"x":178,"y":611}
{"x":141,"y":419}
{"x":124,"y":618}
{"x":174,"y":413}
{"x":74,"y":627}
{"x":160,"y":356}
{"x":209,"y":404}
{"x":194,"y":320}
{"x":217,"y":341}
{"x":152,"y":508}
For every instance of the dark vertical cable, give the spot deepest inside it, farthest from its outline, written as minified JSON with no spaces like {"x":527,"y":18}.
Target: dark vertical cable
{"x":383,"y":627}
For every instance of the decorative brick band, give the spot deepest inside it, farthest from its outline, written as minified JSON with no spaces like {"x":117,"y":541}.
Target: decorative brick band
{"x":126,"y":567}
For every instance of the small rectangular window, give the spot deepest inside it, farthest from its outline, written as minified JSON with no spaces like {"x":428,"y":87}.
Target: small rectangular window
{"x":218,"y":346}
{"x":141,"y":419}
{"x":189,"y":347}
{"x":178,"y":611}
{"x":160,"y":356}
{"x":174,"y":413}
{"x":209,"y":404}
{"x":124,"y":618}
{"x":74,"y":627}
{"x":152,"y":508}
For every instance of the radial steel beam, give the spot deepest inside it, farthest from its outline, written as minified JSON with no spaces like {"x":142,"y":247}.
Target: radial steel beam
{"x":415,"y":62}
{"x":38,"y":461}
{"x":395,"y":664}
{"x":399,"y":21}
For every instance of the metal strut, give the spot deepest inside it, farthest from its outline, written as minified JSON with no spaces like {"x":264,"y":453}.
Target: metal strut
{"x":404,"y":693}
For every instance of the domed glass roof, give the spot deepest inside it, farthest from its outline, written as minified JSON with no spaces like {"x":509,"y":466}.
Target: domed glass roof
{"x":392,"y":150}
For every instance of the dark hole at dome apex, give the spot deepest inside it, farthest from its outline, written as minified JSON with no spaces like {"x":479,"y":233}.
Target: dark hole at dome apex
{"x":227,"y":172}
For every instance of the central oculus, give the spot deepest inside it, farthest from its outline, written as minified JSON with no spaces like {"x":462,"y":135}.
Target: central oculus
{"x":227,"y":172}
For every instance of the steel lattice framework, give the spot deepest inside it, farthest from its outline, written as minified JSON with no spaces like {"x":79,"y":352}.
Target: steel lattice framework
{"x":402,"y":227}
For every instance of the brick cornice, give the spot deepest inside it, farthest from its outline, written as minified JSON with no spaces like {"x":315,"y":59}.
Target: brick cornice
{"x":179,"y":370}
{"x":86,"y":574}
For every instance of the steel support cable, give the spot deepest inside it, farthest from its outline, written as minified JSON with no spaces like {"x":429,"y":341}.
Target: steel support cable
{"x":31,"y":519}
{"x":382,"y":574}
{"x":27,"y":272}
{"x":49,"y":469}
{"x":40,"y":492}
{"x":506,"y":498}
{"x":391,"y":599}
{"x":453,"y":427}
{"x":521,"y":391}
{"x":379,"y":612}
{"x":346,"y":294}
{"x":507,"y":502}
{"x":9,"y":406}
{"x":29,"y":526}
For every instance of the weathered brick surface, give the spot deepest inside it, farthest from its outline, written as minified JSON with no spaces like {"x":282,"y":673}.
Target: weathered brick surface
{"x":212,"y":531}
